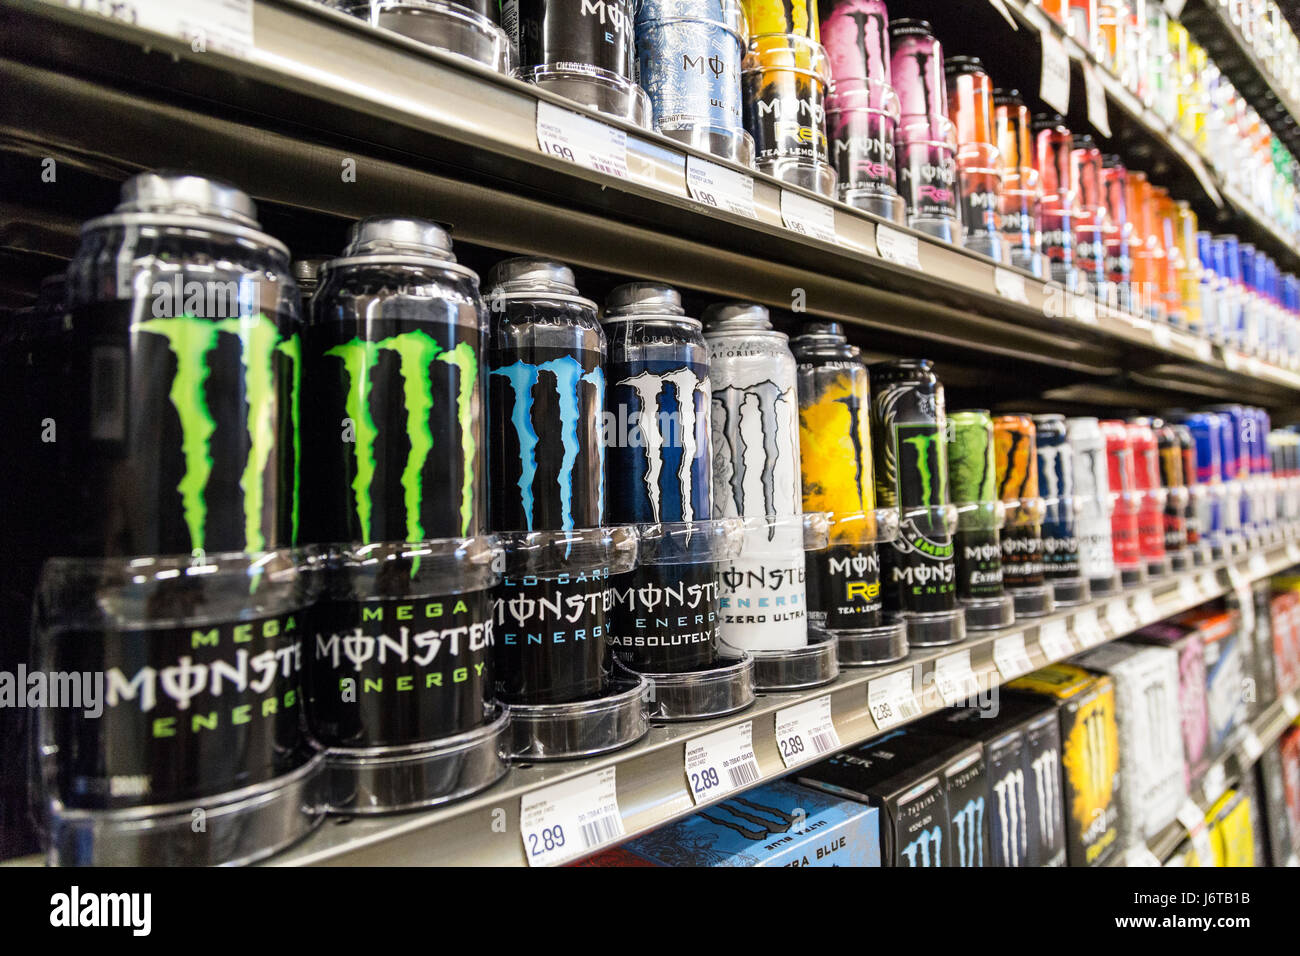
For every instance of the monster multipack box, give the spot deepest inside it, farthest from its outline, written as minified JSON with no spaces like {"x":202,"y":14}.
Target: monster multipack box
{"x":1194,"y":711}
{"x":1022,"y":759}
{"x":1284,"y":612}
{"x":777,"y":824}
{"x":1153,"y":782}
{"x":931,"y":791}
{"x":1272,"y":791}
{"x":1226,"y":690}
{"x":1090,"y":774}
{"x":1231,"y":830}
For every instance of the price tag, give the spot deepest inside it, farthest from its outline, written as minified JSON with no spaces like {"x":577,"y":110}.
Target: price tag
{"x":582,"y":140}
{"x":1209,"y":584}
{"x":1055,"y":87}
{"x":1253,"y":367}
{"x":1140,"y":855}
{"x":1203,"y":350}
{"x":1291,"y":706}
{"x":1010,"y":285}
{"x":1258,"y":566}
{"x":1251,"y":746}
{"x":570,"y":819}
{"x":1119,"y":618}
{"x":1144,"y":607}
{"x":1214,"y":783}
{"x":1190,"y":815}
{"x":1231,"y":359}
{"x":1087,"y":629}
{"x":1188,"y":592}
{"x":1054,"y":639}
{"x":808,"y":216}
{"x":722,"y":761}
{"x":1175,"y":7}
{"x":1098,"y":113}
{"x":1162,"y":335}
{"x":898,"y":247}
{"x":1010,"y":656}
{"x":892,"y":700}
{"x":720,"y":187}
{"x":1083,"y":309}
{"x":1293,"y":552}
{"x":955,"y":678}
{"x":805,"y":731}
{"x":219,"y":26}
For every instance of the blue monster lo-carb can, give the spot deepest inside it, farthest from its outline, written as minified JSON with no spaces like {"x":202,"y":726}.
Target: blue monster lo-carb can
{"x":658,"y":463}
{"x":546,"y":395}
{"x":1060,"y":531}
{"x":688,"y":62}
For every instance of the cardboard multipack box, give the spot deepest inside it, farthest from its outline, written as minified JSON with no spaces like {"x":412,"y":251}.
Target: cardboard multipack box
{"x":1226,"y":687}
{"x":1192,"y":703}
{"x":1284,"y":610}
{"x":1277,"y":822}
{"x":1090,"y":770}
{"x":1232,"y":832}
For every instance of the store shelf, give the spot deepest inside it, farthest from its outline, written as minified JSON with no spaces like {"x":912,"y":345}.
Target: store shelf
{"x":431,"y":134}
{"x":652,"y":785}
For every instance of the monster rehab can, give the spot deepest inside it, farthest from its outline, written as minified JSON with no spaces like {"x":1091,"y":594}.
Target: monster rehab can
{"x":972,"y":477}
{"x":835,"y":459}
{"x":785,"y":79}
{"x":755,"y":428}
{"x":1016,"y":456}
{"x":1059,"y":174}
{"x":546,"y":395}
{"x":181,"y":434}
{"x":1060,"y":523}
{"x":1022,"y":194}
{"x":1092,"y":492}
{"x":658,"y":465}
{"x":909,"y":432}
{"x":970,"y":103}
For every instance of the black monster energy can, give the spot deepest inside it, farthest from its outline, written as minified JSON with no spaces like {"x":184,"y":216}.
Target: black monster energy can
{"x":909,"y":426}
{"x":659,"y":469}
{"x":546,"y":396}
{"x":182,"y":417}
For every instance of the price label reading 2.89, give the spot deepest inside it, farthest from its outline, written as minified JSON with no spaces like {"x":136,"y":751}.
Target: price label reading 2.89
{"x":571,"y":818}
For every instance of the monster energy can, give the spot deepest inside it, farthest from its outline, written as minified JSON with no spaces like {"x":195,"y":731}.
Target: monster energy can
{"x":1060,"y":518}
{"x":658,"y":468}
{"x":973,"y":481}
{"x":1092,"y":493}
{"x":184,"y":408}
{"x":835,"y":460}
{"x":1016,"y":457}
{"x":909,"y":432}
{"x":756,"y":476}
{"x":546,"y":395}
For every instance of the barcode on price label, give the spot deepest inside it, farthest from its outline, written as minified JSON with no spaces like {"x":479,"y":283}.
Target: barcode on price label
{"x":899,"y":247}
{"x":570,"y":819}
{"x":720,"y":187}
{"x":1054,"y":639}
{"x":582,"y":140}
{"x":955,"y":678}
{"x":805,"y":731}
{"x":892,"y":699}
{"x":1010,"y":656}
{"x":722,"y":761}
{"x":808,"y":216}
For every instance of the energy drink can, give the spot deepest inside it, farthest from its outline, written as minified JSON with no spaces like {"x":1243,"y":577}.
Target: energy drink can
{"x":1022,"y":196}
{"x":1151,"y":503}
{"x":1090,"y":218}
{"x":183,"y":414}
{"x":909,"y":429}
{"x":688,"y":57}
{"x":927,"y":140}
{"x":1205,"y":429}
{"x":844,"y":593}
{"x":1016,"y":459}
{"x":658,"y":466}
{"x":973,"y":484}
{"x":1092,"y":490}
{"x":1173,"y":486}
{"x":1191,"y":511}
{"x":1056,"y":469}
{"x":862,"y":110}
{"x":1117,"y":234}
{"x":1054,"y":151}
{"x":465,"y":28}
{"x":970,"y":104}
{"x":1147,"y":298}
{"x":1125,"y":503}
{"x":306,"y":272}
{"x":755,"y":428}
{"x":546,"y":396}
{"x":1236,"y":471}
{"x":785,"y":78}
{"x":580,"y":50}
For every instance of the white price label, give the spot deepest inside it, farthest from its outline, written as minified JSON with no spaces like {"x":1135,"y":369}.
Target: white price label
{"x":1253,"y":366}
{"x":898,"y":247}
{"x":1175,"y":7}
{"x":1231,"y":359}
{"x":1010,"y":656}
{"x":1140,"y":855}
{"x":1293,"y":552}
{"x":1084,"y":309}
{"x":1203,"y":350}
{"x":720,"y":187}
{"x":806,"y":731}
{"x":1144,"y":607}
{"x":219,"y":26}
{"x":1215,"y":782}
{"x":1054,"y":639}
{"x":1098,"y":112}
{"x":1087,"y":629}
{"x":582,"y":140}
{"x":892,"y":700}
{"x":1010,"y":285}
{"x":955,"y":678}
{"x":1188,"y":592}
{"x":722,"y":761}
{"x":1162,"y":336}
{"x":570,"y":819}
{"x":1258,"y":566}
{"x":1055,"y":87}
{"x":808,"y":216}
{"x":1190,"y":815}
{"x":1209,"y":584}
{"x":1251,"y":746}
{"x":1291,"y":706}
{"x":1119,"y":618}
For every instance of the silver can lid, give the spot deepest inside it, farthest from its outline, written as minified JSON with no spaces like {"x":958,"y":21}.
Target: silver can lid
{"x":643,"y":298}
{"x":829,"y":331}
{"x":529,"y":274}
{"x":307,"y":271}
{"x":399,"y":235}
{"x":167,"y":191}
{"x":737,"y":316}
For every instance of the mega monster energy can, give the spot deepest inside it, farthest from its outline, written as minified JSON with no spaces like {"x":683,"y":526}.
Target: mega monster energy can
{"x":1016,"y":457}
{"x":546,"y":396}
{"x":1092,"y":494}
{"x":844,"y":593}
{"x":755,"y":427}
{"x":973,"y":484}
{"x":658,"y":465}
{"x":1060,"y":511}
{"x":909,"y":433}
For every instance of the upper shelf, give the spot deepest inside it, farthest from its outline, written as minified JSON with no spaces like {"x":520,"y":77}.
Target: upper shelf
{"x":317,"y":93}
